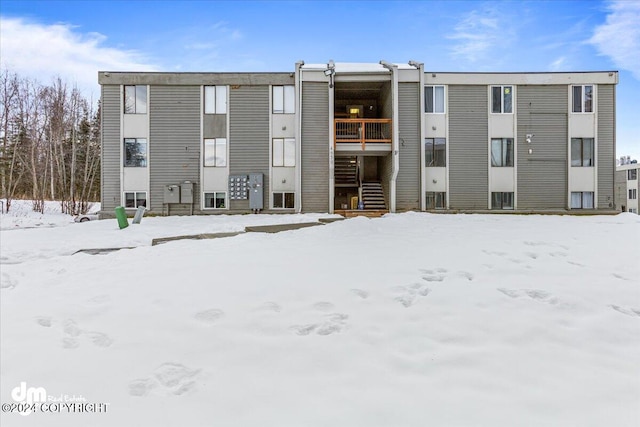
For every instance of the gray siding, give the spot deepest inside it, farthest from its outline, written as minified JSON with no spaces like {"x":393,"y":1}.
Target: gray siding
{"x":110,"y":156}
{"x":606,"y":146}
{"x":542,"y":175}
{"x":315,"y":147}
{"x":249,"y":137}
{"x":468,"y":147}
{"x":408,"y":181}
{"x":621,"y":190}
{"x":174,"y":142}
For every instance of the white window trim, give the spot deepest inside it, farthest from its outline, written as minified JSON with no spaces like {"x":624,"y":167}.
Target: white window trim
{"x":433,"y":100}
{"x":273,"y":193}
{"x":135,"y":100}
{"x":146,"y":153}
{"x":215,"y":148}
{"x":593,"y":99}
{"x":287,"y":107}
{"x":226,"y":201}
{"x":283,"y":160}
{"x":215,"y":99}
{"x":513,"y":99}
{"x":124,"y":198}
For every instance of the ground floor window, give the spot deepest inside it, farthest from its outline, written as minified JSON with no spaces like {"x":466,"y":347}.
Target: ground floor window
{"x":436,"y":200}
{"x":215,"y":200}
{"x":284,"y":200}
{"x":582,"y":200}
{"x":632,"y":210}
{"x":135,"y":199}
{"x":502,"y":200}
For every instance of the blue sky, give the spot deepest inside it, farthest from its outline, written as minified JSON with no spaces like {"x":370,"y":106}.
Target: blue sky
{"x":75,"y":39}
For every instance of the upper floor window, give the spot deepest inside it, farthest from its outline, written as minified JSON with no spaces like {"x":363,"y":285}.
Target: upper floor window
{"x":284,"y":152}
{"x":135,"y":152}
{"x":215,"y":100}
{"x":215,"y":152}
{"x":434,"y":99}
{"x":633,"y":194}
{"x":502,"y":152}
{"x":502,"y":99}
{"x":582,"y":99}
{"x":135,"y":99}
{"x":283,"y":99}
{"x":582,"y":152}
{"x":632,"y":174}
{"x":435,"y":152}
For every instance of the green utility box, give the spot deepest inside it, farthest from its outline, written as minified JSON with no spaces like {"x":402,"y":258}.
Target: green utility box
{"x":121,"y":216}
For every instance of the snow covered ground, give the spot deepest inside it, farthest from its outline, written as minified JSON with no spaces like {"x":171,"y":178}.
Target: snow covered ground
{"x":408,"y":320}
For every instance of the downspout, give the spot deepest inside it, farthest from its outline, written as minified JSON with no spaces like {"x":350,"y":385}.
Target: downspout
{"x":298,"y":107}
{"x":423,"y":135}
{"x":395,"y":132}
{"x":330,"y":72}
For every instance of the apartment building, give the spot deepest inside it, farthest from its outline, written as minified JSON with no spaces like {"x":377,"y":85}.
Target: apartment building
{"x":626,"y":186}
{"x":357,"y":138}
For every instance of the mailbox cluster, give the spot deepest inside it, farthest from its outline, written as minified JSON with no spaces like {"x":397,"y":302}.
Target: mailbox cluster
{"x":238,"y":187}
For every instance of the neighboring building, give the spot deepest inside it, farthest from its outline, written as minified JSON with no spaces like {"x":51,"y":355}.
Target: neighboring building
{"x":627,"y":188}
{"x":335,"y":137}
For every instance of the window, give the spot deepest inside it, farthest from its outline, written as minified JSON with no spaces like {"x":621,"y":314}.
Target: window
{"x":135,"y":199}
{"x":284,"y":152}
{"x":436,"y":200}
{"x":215,"y":200}
{"x":135,"y":99}
{"x":434,"y":99}
{"x":502,"y":152}
{"x":215,"y":152}
{"x":582,"y":99}
{"x":633,"y":194}
{"x":501,"y":200}
{"x":632,"y":210}
{"x":435,"y":151}
{"x":283,"y":99}
{"x":135,"y":152}
{"x":502,"y":99}
{"x":582,"y":200}
{"x":215,"y":100}
{"x":632,"y":174}
{"x":582,"y":152}
{"x":283,"y":200}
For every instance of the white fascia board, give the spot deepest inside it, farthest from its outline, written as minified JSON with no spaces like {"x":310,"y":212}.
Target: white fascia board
{"x":595,"y":77}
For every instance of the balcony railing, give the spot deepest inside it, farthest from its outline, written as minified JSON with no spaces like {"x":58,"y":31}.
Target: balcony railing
{"x":362,"y":131}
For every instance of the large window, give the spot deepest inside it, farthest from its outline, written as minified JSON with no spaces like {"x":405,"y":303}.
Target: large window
{"x":502,"y":152}
{"x":435,"y":152}
{"x":135,"y":152}
{"x":632,"y":174}
{"x":135,"y":199}
{"x":434,"y":99}
{"x":215,"y":200}
{"x":501,"y":200}
{"x":284,"y":200}
{"x":284,"y":152}
{"x":582,"y":152}
{"x":215,"y":100}
{"x":135,"y":99}
{"x":502,"y":99}
{"x":582,"y":99}
{"x":283,"y":99}
{"x":633,"y":194}
{"x":215,"y":152}
{"x":582,"y":200}
{"x":436,"y":200}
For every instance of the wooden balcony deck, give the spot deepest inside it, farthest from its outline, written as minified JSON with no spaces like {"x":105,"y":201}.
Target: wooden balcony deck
{"x":362,"y":131}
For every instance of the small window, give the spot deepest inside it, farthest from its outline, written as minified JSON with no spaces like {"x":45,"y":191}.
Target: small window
{"x":582,"y":99}
{"x":135,"y":199}
{"x":215,"y":200}
{"x":215,"y":100}
{"x":283,"y":99}
{"x":215,"y":152}
{"x":582,"y":152}
{"x":502,"y":152}
{"x":135,"y":152}
{"x":283,"y":200}
{"x":435,"y":151}
{"x":632,"y":174}
{"x":434,"y":99}
{"x":436,"y":200}
{"x":135,"y":99}
{"x":502,"y":200}
{"x":502,"y":99}
{"x":633,"y":194}
{"x":284,"y":152}
{"x":582,"y":200}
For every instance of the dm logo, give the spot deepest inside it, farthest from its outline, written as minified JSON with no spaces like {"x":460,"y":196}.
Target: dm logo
{"x":28,"y":395}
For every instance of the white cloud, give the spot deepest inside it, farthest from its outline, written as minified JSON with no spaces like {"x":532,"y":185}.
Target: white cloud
{"x":559,"y":64}
{"x":46,"y":51}
{"x":619,"y":37}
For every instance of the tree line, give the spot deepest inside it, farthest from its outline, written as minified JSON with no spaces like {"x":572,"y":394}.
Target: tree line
{"x":50,"y":144}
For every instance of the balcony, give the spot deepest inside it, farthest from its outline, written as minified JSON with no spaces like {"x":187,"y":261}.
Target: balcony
{"x":362,"y":131}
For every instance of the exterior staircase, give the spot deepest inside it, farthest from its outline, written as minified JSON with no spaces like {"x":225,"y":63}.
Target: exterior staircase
{"x":346,"y":171}
{"x":373,"y":196}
